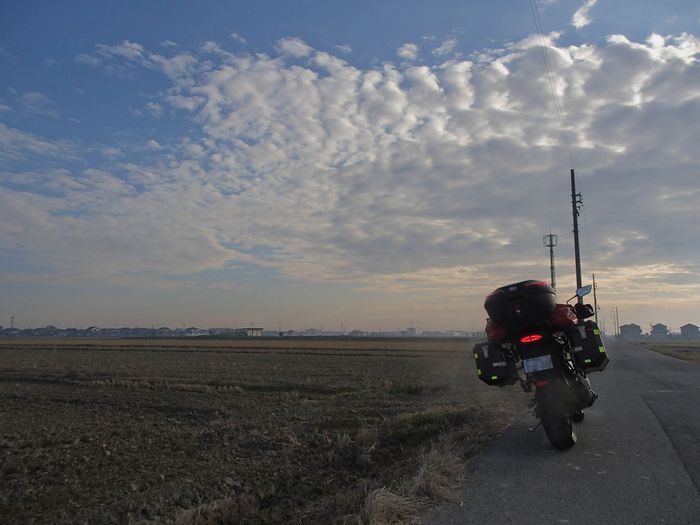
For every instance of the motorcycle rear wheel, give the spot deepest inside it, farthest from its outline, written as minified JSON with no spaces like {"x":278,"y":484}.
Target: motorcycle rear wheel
{"x":555,"y":415}
{"x":560,"y":432}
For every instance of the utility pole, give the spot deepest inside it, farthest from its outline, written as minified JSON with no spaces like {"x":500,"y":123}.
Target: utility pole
{"x":595,"y":300}
{"x":617,"y":323}
{"x":551,"y":241}
{"x":576,"y":205}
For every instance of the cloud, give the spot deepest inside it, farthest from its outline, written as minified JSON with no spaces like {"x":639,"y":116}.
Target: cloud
{"x":446,"y":47}
{"x":344,"y":48}
{"x":153,"y":144}
{"x":408,"y":51}
{"x":581,"y":18}
{"x":7,"y":55}
{"x":406,"y":178}
{"x":154,"y":109}
{"x":38,"y":104}
{"x":18,"y":145}
{"x":294,"y":47}
{"x":238,"y":38}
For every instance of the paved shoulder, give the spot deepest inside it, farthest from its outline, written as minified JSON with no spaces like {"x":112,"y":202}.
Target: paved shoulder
{"x":637,"y":459}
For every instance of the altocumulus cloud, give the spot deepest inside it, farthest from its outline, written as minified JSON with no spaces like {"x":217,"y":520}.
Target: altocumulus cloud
{"x":581,"y":18}
{"x":399,"y":177}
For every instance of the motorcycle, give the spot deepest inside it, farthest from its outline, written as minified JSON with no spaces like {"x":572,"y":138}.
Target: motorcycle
{"x":546,"y":347}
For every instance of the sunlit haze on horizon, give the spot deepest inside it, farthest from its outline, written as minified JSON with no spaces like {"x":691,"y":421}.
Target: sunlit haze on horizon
{"x":375,"y":164}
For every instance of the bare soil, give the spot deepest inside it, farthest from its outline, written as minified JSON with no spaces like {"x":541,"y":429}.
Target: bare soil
{"x":227,"y":431}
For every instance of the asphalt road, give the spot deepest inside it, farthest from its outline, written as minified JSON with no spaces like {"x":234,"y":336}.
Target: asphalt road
{"x":637,"y":459}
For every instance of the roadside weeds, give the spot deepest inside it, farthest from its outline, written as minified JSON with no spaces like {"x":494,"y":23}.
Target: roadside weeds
{"x":438,"y":479}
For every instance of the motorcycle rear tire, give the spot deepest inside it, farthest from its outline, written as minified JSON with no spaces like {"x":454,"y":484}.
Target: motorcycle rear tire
{"x":553,"y":411}
{"x":560,"y":432}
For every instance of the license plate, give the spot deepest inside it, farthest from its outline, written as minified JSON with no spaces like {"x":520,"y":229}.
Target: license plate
{"x":535,"y":364}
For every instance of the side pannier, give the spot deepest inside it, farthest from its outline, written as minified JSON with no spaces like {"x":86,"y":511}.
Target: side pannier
{"x":587,"y":348}
{"x":493,"y":365}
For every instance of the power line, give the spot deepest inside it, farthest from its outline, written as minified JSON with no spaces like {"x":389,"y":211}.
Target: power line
{"x":534,"y":8}
{"x":576,"y":199}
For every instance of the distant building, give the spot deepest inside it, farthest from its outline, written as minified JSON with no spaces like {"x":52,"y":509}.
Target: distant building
{"x":630,"y":331}
{"x":690,"y":331}
{"x":248,"y":332}
{"x":433,"y":333}
{"x":193,"y":331}
{"x":240,"y":332}
{"x":659,"y":331}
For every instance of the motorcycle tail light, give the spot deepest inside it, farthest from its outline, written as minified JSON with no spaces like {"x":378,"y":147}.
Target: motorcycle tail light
{"x":537,"y":283}
{"x":530,"y":338}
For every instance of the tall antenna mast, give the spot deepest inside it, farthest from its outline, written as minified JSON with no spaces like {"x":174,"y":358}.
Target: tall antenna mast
{"x":551,"y":241}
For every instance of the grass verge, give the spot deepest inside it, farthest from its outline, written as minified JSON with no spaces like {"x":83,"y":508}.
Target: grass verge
{"x":687,"y":352}
{"x":438,"y":477}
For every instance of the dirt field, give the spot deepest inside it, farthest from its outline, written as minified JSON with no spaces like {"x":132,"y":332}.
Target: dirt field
{"x":686,"y":350}
{"x":223,"y":431}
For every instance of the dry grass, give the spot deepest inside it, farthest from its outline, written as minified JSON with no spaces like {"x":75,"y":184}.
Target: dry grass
{"x":385,"y":507}
{"x":687,"y":351}
{"x":367,"y":439}
{"x":238,"y":509}
{"x":343,"y":441}
{"x":439,"y":476}
{"x":418,"y":344}
{"x":438,"y":480}
{"x":411,"y":389}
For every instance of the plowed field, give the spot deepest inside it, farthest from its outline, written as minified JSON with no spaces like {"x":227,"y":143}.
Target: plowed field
{"x":223,"y":431}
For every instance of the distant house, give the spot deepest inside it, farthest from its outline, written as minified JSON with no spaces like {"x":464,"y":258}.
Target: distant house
{"x":239,"y":332}
{"x":659,"y":331}
{"x":193,"y":331}
{"x":630,"y":331}
{"x":690,"y":331}
{"x":248,"y":332}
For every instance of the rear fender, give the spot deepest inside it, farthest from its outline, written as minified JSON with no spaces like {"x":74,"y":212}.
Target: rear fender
{"x":554,"y":393}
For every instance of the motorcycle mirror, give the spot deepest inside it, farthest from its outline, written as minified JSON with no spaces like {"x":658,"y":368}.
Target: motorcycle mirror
{"x":584,"y":290}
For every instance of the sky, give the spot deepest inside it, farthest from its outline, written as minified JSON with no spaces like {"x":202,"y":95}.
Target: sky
{"x":371,"y":164}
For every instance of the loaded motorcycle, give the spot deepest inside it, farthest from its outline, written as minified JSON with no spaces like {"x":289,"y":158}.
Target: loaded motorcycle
{"x":544,"y":346}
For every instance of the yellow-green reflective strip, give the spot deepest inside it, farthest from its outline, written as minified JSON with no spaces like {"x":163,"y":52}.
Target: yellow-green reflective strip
{"x":586,"y":361}
{"x":493,"y":378}
{"x":478,"y":372}
{"x":476,"y":356}
{"x":601,"y":349}
{"x":596,"y":331}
